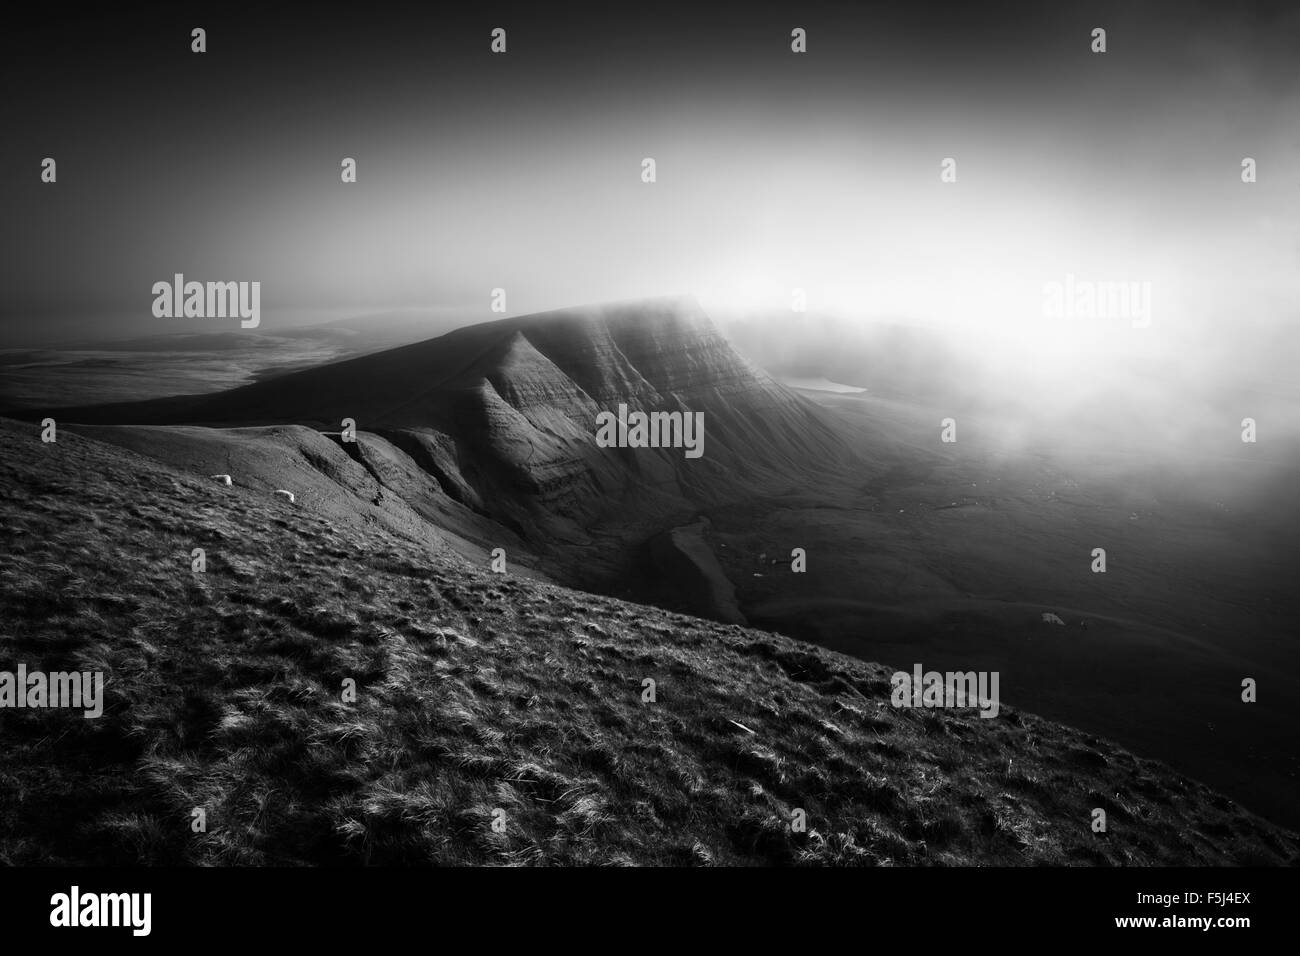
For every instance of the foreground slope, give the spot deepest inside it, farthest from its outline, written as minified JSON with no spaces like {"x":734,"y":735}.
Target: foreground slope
{"x":479,"y":692}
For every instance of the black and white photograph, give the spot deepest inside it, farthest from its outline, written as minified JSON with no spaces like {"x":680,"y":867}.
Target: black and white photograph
{"x":722,"y":440}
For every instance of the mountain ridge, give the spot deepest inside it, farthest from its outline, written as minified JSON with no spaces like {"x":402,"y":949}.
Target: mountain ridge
{"x":511,"y":407}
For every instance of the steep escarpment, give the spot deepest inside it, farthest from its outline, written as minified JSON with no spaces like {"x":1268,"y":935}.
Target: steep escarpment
{"x":501,"y":419}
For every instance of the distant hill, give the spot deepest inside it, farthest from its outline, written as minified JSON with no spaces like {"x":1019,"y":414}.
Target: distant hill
{"x":484,"y":695}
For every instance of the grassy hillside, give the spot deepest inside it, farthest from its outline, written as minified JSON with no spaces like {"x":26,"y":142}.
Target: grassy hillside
{"x":479,"y":692}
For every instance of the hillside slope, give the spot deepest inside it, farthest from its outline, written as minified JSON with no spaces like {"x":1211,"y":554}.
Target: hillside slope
{"x":479,"y":693}
{"x":512,"y":406}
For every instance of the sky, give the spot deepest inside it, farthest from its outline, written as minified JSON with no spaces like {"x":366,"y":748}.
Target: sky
{"x":775,"y":171}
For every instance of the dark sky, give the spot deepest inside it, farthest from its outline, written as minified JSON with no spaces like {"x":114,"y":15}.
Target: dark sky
{"x":523,"y":171}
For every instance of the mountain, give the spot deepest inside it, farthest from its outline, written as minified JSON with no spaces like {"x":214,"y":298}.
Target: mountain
{"x":483,"y":697}
{"x":499,"y":421}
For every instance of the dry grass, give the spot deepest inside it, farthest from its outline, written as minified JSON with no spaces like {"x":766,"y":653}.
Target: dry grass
{"x":477,"y":693}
